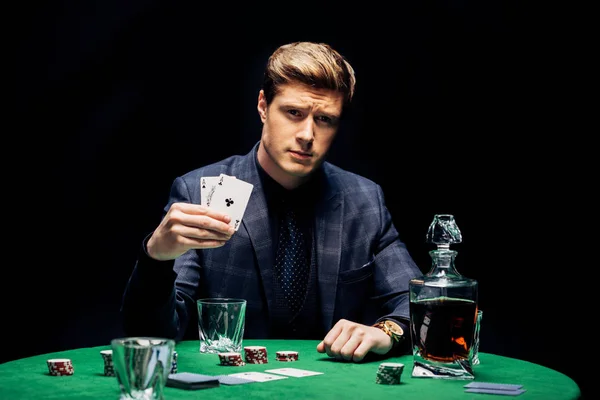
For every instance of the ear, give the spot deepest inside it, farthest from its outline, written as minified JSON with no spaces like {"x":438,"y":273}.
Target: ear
{"x":262,"y":106}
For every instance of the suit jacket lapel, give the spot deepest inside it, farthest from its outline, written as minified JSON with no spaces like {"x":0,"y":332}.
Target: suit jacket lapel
{"x":328,"y":235}
{"x":256,"y":223}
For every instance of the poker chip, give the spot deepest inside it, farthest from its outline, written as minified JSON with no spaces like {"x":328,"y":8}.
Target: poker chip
{"x":60,"y":366}
{"x":256,"y":354}
{"x":389,"y":373}
{"x":231,"y":359}
{"x":174,"y":363}
{"x":109,"y":369}
{"x":286,"y":356}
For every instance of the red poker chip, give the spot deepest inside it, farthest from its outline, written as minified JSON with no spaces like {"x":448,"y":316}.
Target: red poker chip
{"x":287,"y":355}
{"x":231,"y":359}
{"x":256,"y":354}
{"x":60,"y":367}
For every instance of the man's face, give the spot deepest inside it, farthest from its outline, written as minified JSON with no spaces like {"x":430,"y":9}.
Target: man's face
{"x":298,"y":128}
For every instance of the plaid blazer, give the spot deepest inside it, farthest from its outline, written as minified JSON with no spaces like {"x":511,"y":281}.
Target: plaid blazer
{"x":363,"y":266}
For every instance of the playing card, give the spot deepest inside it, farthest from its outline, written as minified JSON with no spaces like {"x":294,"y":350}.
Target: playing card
{"x":495,"y":386}
{"x":207,"y":188}
{"x":231,"y":197}
{"x":295,"y":372}
{"x":258,"y":376}
{"x":232,"y":380}
{"x":191,"y":381}
{"x":496,"y":391}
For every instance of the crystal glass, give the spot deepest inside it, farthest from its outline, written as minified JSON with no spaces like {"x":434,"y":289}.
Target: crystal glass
{"x":142,"y":366}
{"x":475,"y":348}
{"x":221,"y":323}
{"x":443,"y":310}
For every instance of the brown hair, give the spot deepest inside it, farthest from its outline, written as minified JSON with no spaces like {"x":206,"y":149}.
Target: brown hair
{"x":314,"y":64}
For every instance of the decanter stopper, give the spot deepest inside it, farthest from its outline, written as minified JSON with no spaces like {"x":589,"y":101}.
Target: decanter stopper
{"x":443,"y":231}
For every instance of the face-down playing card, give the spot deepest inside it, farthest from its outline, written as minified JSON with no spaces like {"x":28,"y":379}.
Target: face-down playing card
{"x":505,"y":389}
{"x":191,"y":381}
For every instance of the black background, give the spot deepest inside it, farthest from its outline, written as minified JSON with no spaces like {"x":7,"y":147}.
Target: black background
{"x":462,"y":107}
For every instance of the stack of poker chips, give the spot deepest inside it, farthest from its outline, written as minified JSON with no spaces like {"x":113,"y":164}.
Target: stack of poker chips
{"x":231,"y":359}
{"x":174,"y":363}
{"x":109,"y":369}
{"x":60,"y":366}
{"x":256,"y":354}
{"x":286,"y":356}
{"x":389,"y":373}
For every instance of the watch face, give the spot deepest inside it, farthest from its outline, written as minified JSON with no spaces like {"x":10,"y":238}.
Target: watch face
{"x":394,"y":327}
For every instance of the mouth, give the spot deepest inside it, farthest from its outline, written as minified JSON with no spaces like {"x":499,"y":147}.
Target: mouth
{"x":302,"y":155}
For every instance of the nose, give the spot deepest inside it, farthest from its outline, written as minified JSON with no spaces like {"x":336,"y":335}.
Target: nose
{"x":307,"y":131}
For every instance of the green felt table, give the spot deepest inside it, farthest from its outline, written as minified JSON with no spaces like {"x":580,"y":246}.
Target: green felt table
{"x":28,"y":378}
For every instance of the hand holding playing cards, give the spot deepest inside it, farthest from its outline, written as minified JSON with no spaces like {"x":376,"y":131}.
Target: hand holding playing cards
{"x":189,"y":226}
{"x":351,"y":341}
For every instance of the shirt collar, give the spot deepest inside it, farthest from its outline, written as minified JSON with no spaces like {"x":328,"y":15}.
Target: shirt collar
{"x":276,"y":194}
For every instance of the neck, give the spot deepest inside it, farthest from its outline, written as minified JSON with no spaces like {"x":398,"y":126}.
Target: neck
{"x":286,"y":180}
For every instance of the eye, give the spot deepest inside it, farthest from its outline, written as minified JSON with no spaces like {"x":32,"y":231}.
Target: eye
{"x":294,"y":112}
{"x":328,"y":121}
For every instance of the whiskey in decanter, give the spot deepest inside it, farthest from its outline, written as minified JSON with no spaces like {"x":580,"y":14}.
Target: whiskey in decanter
{"x":443,"y":309}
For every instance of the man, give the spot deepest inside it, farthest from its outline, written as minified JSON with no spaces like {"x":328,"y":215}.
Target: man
{"x":352,"y":271}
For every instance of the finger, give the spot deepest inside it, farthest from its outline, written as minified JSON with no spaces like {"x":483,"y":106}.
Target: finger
{"x":335,"y":350}
{"x":348,"y":349}
{"x":206,"y":231}
{"x":330,"y":338}
{"x":197,"y":209}
{"x":202,"y":244}
{"x":201,"y":221}
{"x":211,"y":244}
{"x":321,"y":347}
{"x":360,"y":352}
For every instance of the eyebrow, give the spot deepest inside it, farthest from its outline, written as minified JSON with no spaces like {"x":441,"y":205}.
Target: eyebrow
{"x":333,"y":116}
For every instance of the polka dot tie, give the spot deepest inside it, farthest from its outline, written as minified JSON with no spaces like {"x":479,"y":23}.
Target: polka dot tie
{"x":291,"y":263}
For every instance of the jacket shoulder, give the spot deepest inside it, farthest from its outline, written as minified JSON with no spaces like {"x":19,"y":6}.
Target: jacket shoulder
{"x":348,"y":181}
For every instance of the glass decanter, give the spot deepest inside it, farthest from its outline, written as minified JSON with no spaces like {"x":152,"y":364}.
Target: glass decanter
{"x":443,"y":310}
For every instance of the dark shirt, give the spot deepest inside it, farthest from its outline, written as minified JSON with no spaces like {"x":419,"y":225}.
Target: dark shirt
{"x":302,"y":201}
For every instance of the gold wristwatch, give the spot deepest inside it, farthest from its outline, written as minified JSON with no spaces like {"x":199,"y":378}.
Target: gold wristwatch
{"x":391,"y":329}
